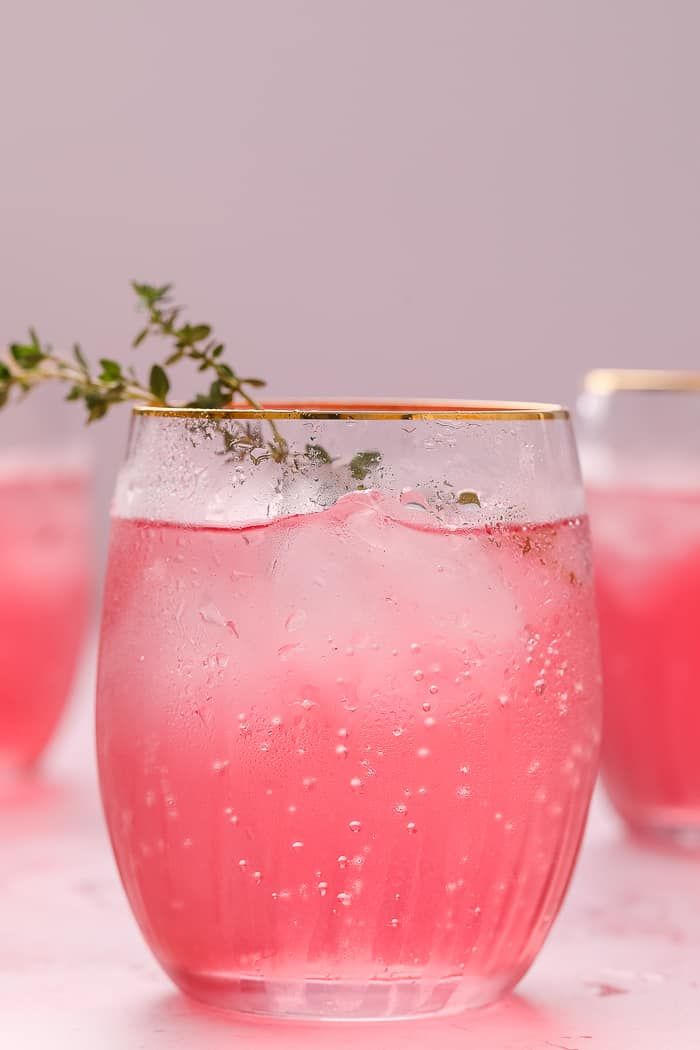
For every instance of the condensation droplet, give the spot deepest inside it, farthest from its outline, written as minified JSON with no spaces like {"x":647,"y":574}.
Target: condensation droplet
{"x":429,"y":722}
{"x":309,"y":782}
{"x":345,"y":899}
{"x":463,"y":791}
{"x":355,"y":825}
{"x":295,"y":620}
{"x":297,"y":845}
{"x":393,"y":923}
{"x":418,"y":675}
{"x":342,"y":861}
{"x":411,"y":827}
{"x":356,"y":783}
{"x":433,"y":689}
{"x":341,"y":751}
{"x":427,"y":706}
{"x":400,"y":808}
{"x":323,"y":888}
{"x":423,"y":752}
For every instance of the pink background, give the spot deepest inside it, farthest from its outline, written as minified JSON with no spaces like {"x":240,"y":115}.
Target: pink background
{"x":366,"y":196}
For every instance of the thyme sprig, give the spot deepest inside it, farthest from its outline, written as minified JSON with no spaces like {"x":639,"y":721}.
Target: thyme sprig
{"x":30,"y":364}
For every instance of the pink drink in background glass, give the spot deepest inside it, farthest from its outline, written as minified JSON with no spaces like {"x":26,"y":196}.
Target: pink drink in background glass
{"x":346,"y":756}
{"x":647,"y":562}
{"x":44,"y":594}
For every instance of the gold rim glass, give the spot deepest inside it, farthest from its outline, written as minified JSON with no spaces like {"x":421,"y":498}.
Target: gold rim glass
{"x":326,"y":408}
{"x":640,"y":380}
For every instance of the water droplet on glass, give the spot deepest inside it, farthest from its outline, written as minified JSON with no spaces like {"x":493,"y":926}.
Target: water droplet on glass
{"x":341,"y":751}
{"x":309,"y":782}
{"x":418,"y":675}
{"x":398,"y":731}
{"x":355,"y":825}
{"x":297,"y":845}
{"x":355,"y":783}
{"x":429,"y":722}
{"x":503,"y":700}
{"x":342,"y":861}
{"x":323,"y":888}
{"x":257,"y":877}
{"x":427,"y":706}
{"x":463,"y":791}
{"x":243,"y":864}
{"x":307,"y":704}
{"x":400,"y":808}
{"x":295,"y":620}
{"x":423,"y":752}
{"x":411,"y":827}
{"x":345,"y":899}
{"x":393,"y":923}
{"x":433,"y":689}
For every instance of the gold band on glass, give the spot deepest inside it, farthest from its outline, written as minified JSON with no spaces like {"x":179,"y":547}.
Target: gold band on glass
{"x":613,"y":380}
{"x":457,"y":410}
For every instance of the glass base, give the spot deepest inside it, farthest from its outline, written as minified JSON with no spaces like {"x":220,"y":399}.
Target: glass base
{"x":676,"y":836}
{"x":316,"y":1000}
{"x":677,"y":827}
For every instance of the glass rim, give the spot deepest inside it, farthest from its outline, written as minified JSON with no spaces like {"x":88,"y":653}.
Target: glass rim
{"x":641,"y":380}
{"x":367,"y":409}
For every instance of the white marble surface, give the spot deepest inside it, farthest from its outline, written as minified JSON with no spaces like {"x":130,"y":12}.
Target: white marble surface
{"x":621,"y":970}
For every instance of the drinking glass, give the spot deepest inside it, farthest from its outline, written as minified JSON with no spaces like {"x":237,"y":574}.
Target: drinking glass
{"x":45,"y":577}
{"x":640,"y":440}
{"x":348,"y":703}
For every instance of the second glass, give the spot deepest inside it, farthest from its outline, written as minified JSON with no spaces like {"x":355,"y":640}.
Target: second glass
{"x":640,"y":435}
{"x":348,"y":703}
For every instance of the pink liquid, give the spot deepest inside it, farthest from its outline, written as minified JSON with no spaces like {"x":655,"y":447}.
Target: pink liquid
{"x":44,"y":584}
{"x":647,"y":561}
{"x":346,"y":760}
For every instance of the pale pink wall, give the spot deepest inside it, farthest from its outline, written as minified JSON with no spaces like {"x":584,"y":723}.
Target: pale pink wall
{"x":366,"y":196}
